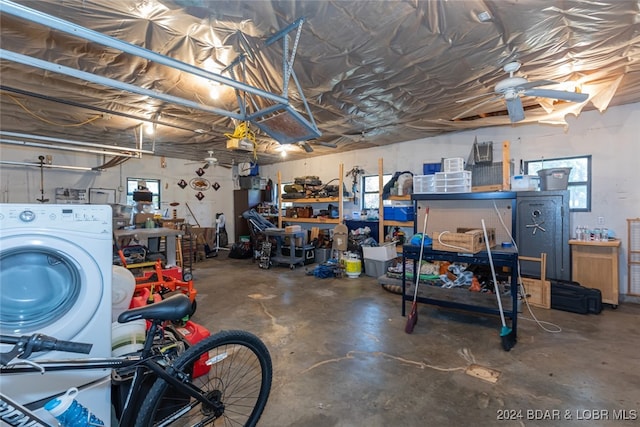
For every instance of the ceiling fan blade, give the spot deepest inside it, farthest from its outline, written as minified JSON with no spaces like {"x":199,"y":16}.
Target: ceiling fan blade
{"x":557,"y":94}
{"x":206,"y":165}
{"x":537,"y":83}
{"x":515,"y":109}
{"x":325,"y":144}
{"x":306,"y":147}
{"x":476,"y":107}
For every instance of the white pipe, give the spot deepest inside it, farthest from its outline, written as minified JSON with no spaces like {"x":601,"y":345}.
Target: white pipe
{"x":60,"y":147}
{"x":68,"y":141}
{"x":37,"y":165}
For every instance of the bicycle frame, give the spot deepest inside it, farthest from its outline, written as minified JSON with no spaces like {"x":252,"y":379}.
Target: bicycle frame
{"x":142,"y":364}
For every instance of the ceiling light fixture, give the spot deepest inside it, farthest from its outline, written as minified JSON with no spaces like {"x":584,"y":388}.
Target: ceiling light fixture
{"x":484,"y":16}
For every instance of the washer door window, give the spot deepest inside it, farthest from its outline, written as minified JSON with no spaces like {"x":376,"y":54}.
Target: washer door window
{"x":47,"y":285}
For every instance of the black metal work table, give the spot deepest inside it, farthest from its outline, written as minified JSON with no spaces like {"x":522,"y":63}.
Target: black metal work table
{"x":502,"y":257}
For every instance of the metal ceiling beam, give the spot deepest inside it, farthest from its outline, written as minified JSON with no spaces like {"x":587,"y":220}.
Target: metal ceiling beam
{"x":41,"y":18}
{"x":100,"y":109}
{"x":105,"y":81}
{"x":306,"y":128}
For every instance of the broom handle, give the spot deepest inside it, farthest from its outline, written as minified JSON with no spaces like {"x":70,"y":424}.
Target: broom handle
{"x":424,"y":230}
{"x":493,"y":273}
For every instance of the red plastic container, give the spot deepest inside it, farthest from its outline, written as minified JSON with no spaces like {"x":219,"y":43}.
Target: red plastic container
{"x":194,"y":333}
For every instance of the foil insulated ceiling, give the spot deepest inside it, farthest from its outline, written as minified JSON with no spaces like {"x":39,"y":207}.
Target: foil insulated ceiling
{"x":370,"y":73}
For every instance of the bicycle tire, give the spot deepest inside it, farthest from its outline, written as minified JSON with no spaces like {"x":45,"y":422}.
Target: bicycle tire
{"x":239,"y":376}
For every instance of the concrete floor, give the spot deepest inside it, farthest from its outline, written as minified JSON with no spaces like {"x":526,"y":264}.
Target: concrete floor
{"x":341,"y":356}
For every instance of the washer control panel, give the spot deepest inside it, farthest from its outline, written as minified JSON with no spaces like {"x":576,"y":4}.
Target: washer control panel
{"x":85,"y":218}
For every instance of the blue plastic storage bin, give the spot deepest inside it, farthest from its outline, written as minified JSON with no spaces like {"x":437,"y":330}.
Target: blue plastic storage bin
{"x":430,"y":168}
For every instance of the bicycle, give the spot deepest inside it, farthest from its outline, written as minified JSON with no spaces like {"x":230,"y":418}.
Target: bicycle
{"x":231,"y":386}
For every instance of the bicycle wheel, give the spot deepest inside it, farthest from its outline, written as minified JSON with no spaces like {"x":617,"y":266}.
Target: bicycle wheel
{"x":233,"y":368}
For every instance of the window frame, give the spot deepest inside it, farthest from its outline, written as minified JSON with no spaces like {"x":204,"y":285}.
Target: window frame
{"x":385,"y":178}
{"x":565,"y":160}
{"x":156,"y":195}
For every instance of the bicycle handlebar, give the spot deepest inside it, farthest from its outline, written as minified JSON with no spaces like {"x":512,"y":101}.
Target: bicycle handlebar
{"x":27,"y":344}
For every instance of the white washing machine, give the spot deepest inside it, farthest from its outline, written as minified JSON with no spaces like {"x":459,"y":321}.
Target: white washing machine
{"x":55,"y":279}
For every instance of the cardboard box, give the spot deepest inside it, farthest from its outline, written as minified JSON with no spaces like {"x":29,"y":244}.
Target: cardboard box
{"x":292,"y":228}
{"x":379,"y":253}
{"x":141,"y":218}
{"x":464,"y":240}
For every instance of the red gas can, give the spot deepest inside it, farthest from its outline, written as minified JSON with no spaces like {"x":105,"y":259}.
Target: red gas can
{"x":194,"y":333}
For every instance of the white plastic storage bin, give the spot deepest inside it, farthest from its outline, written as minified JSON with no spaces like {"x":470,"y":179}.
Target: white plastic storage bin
{"x":453,"y":182}
{"x":424,"y":184}
{"x":453,"y":164}
{"x":448,"y":188}
{"x":453,"y":178}
{"x":524,"y":182}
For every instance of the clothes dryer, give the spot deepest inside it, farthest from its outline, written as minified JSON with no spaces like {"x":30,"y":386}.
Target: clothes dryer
{"x":55,"y":279}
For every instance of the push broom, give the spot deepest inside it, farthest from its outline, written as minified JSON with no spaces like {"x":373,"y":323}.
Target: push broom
{"x":507,"y":336}
{"x":413,"y":313}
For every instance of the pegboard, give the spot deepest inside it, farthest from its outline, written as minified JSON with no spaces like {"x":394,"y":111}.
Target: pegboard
{"x":633,"y":256}
{"x":448,"y":215}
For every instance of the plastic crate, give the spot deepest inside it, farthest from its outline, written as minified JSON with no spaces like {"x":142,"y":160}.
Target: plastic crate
{"x":424,"y":184}
{"x":399,"y":213}
{"x":389,"y":213}
{"x":554,"y":178}
{"x":444,"y":188}
{"x":454,"y":164}
{"x":376,"y":268}
{"x":453,"y":178}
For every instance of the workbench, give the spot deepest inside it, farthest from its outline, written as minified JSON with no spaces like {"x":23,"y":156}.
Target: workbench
{"x":143,"y":235}
{"x":502,"y":257}
{"x":279,"y":235}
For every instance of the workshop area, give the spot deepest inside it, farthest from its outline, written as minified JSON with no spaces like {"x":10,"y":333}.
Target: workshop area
{"x":408,"y":212}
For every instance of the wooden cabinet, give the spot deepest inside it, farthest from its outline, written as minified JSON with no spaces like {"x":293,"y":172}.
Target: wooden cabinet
{"x":595,"y":265}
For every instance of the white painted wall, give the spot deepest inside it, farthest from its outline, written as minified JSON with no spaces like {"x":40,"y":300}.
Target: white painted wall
{"x":22,"y":184}
{"x":612,"y":138}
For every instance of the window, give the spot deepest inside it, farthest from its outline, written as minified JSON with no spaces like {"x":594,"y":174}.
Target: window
{"x":152,"y":184}
{"x":579,"y":179}
{"x":371,"y":190}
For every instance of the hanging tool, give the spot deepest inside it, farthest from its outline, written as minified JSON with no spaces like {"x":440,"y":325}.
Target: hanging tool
{"x":42,"y":199}
{"x":507,"y":336}
{"x":192,"y":215}
{"x":413,"y":314}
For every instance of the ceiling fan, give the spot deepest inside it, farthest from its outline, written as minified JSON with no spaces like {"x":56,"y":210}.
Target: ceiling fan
{"x":512,"y":88}
{"x":209,"y":160}
{"x":306,"y":145}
